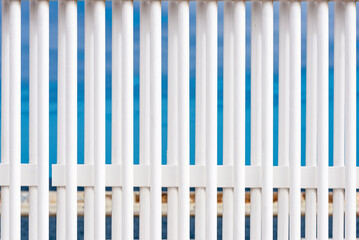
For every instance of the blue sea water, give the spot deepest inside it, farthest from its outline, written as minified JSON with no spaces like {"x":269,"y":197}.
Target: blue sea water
{"x":80,"y":223}
{"x":80,"y":131}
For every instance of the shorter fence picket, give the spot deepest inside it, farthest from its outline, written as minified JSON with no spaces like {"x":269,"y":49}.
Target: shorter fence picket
{"x":350,"y":120}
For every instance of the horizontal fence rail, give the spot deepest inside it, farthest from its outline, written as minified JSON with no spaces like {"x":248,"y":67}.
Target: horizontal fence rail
{"x":260,"y":179}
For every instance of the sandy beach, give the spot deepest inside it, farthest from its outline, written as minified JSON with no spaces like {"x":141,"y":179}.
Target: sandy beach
{"x":80,"y":205}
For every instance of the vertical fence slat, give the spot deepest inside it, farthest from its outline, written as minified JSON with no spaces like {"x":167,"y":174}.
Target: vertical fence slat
{"x":145,"y":114}
{"x":43,"y":119}
{"x":116,"y":114}
{"x":350,"y":119}
{"x":256,"y":114}
{"x":323,"y":119}
{"x":283,"y":115}
{"x":295,"y":119}
{"x":339,"y":103}
{"x":155,"y":118}
{"x":200,"y":154}
{"x":15,"y":118}
{"x":311,"y":118}
{"x":89,"y":117}
{"x":173,"y":116}
{"x":211,"y":120}
{"x":61,"y":119}
{"x":239,"y":118}
{"x":71,"y":120}
{"x":33,"y":115}
{"x":267,"y":120}
{"x":99,"y":119}
{"x":5,"y":110}
{"x":228,"y":113}
{"x":183,"y":121}
{"x":127,"y":120}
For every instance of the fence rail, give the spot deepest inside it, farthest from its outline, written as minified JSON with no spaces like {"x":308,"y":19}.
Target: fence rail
{"x":289,"y":177}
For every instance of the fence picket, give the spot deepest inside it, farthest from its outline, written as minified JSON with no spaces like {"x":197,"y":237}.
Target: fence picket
{"x":61,"y":119}
{"x":15,"y":117}
{"x":183,"y":120}
{"x":323,"y":119}
{"x":311,"y":118}
{"x":5,"y":110}
{"x":173,"y":116}
{"x":295,"y":120}
{"x":71,"y":120}
{"x":33,"y":114}
{"x":43,"y":119}
{"x":145,"y":114}
{"x":127,"y":118}
{"x":228,"y":113}
{"x":116,"y":114}
{"x":339,"y":106}
{"x":267,"y":120}
{"x":350,"y":120}
{"x":89,"y":116}
{"x":200,"y":151}
{"x":239,"y":118}
{"x":211,"y":120}
{"x":283,"y":115}
{"x":155,"y":119}
{"x":256,"y":114}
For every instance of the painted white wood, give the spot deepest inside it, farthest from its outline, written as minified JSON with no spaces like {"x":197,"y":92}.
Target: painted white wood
{"x":15,"y":117}
{"x":200,"y":151}
{"x":183,"y":121}
{"x":5,"y":110}
{"x":283,"y":115}
{"x":145,"y":114}
{"x":173,"y":116}
{"x":295,"y":120}
{"x":100,"y":120}
{"x":33,"y":115}
{"x":253,"y":176}
{"x":71,"y":120}
{"x":61,"y":119}
{"x":239,"y":118}
{"x":127,"y":119}
{"x":256,"y":113}
{"x":311,"y":118}
{"x":339,"y":116}
{"x":155,"y":119}
{"x":267,"y":120}
{"x":116,"y":114}
{"x":323,"y":119}
{"x":43,"y":119}
{"x":228,"y":113}
{"x":211,"y":120}
{"x":350,"y":120}
{"x":89,"y":116}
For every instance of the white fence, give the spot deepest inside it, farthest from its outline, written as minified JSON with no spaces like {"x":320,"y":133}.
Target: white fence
{"x":178,"y":176}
